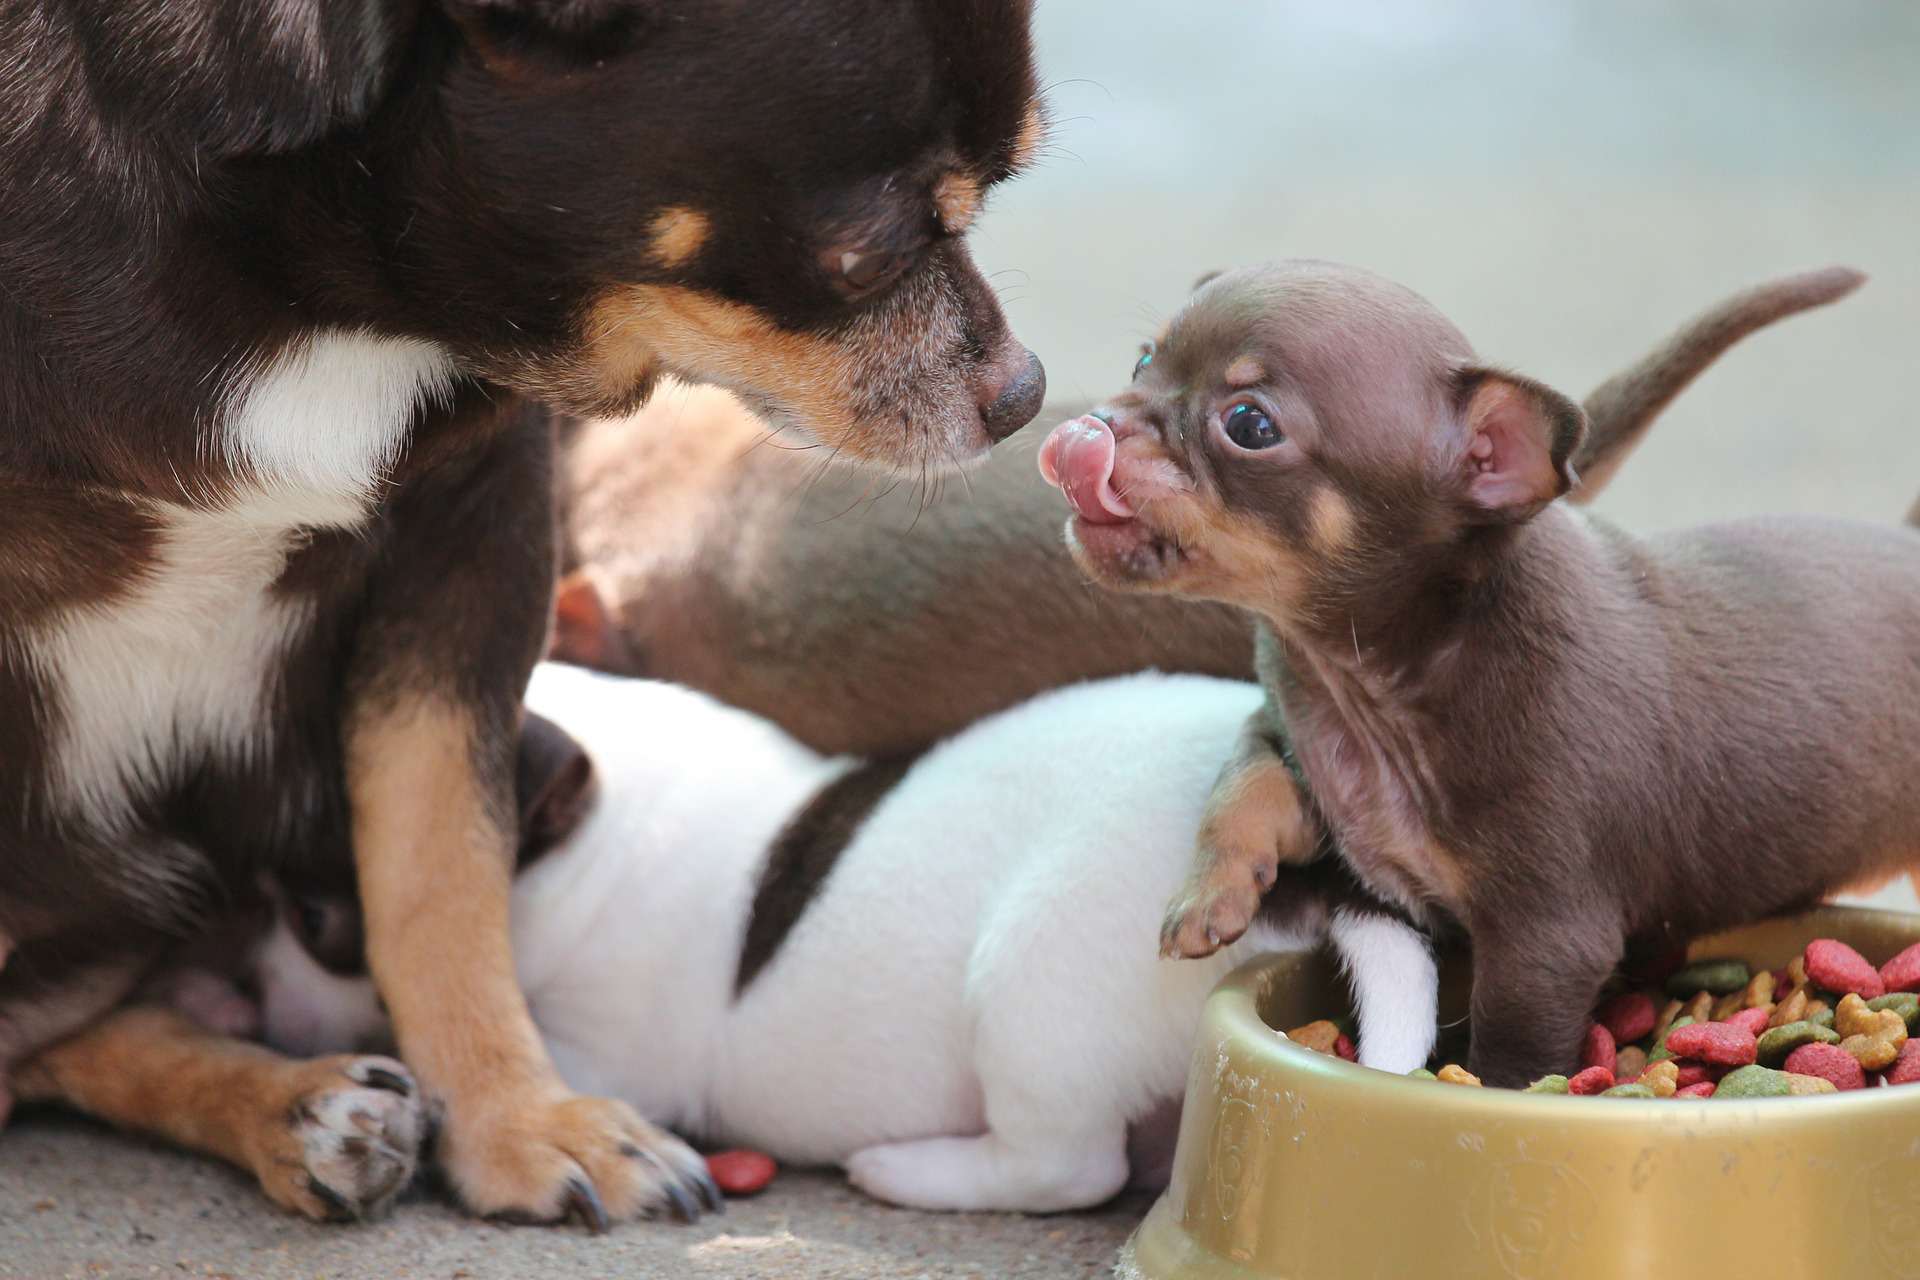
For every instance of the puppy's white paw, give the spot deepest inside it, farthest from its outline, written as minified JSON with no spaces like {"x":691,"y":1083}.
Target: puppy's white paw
{"x":981,"y":1174}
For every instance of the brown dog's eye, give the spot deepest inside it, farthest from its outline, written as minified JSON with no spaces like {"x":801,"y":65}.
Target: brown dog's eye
{"x":867,"y":271}
{"x":1146,"y":358}
{"x":1250,"y":428}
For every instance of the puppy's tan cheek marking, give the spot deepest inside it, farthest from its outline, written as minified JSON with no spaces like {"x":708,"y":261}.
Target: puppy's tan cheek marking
{"x":678,"y":235}
{"x":1032,"y":136}
{"x":634,"y":330}
{"x":435,"y":865}
{"x":956,"y":198}
{"x":1330,"y":521}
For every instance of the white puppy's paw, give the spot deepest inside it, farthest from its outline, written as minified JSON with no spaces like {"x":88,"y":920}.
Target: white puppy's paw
{"x":980,"y":1174}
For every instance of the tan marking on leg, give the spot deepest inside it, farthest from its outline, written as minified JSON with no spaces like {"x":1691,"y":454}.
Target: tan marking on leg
{"x":956,"y":198}
{"x":1032,"y":136}
{"x":1254,"y":821}
{"x":334,"y":1137}
{"x":1247,"y":371}
{"x":1331,"y":520}
{"x":435,"y":861}
{"x":678,"y":235}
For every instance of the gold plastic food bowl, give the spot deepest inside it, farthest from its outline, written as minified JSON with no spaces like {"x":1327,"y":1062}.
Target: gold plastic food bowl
{"x":1294,"y":1165}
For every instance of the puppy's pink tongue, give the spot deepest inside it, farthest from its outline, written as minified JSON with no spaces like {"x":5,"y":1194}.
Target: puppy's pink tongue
{"x":1077,"y":459}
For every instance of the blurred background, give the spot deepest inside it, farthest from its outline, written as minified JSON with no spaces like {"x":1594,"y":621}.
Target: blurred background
{"x":1567,"y":181}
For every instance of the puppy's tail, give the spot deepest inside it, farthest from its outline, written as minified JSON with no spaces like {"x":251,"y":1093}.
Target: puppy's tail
{"x":1622,"y":408}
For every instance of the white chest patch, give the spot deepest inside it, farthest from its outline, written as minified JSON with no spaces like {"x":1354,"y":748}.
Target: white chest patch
{"x":181,"y":664}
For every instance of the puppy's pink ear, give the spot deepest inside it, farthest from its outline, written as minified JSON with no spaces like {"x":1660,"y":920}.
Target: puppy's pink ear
{"x":1519,"y":440}
{"x":582,"y":626}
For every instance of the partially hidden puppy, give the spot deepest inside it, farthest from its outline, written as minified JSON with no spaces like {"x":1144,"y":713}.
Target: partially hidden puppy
{"x":1507,"y":714}
{"x":931,"y":970}
{"x":866,"y":616}
{"x":293,"y":290}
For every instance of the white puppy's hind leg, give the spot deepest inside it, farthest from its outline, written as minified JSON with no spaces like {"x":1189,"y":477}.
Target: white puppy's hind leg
{"x":1046,"y":1174}
{"x":1396,"y":988}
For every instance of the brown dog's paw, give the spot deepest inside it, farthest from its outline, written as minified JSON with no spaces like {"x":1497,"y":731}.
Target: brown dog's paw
{"x":571,"y":1157}
{"x":1216,"y":906}
{"x":346,"y":1140}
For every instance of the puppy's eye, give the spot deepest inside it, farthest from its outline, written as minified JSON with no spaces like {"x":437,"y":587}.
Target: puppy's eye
{"x":868,"y":271}
{"x":1146,"y":358}
{"x":1250,"y":428}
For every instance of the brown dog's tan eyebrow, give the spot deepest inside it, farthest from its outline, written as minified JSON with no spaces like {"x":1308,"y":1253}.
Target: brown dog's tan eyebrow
{"x":956,"y":198}
{"x":1247,"y":371}
{"x":677,"y":234}
{"x":1027,"y":143}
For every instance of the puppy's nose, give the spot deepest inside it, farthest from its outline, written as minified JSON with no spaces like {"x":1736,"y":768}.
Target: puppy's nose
{"x":1012,"y":403}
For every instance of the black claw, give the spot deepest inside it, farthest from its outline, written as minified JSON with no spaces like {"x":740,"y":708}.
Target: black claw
{"x":392,"y":1081}
{"x":684,"y":1206}
{"x":583,"y":1202}
{"x":339,"y":1208}
{"x":710,"y":1191}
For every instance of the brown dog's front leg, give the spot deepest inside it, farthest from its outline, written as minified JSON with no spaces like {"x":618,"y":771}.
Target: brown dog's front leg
{"x":329,"y":1138}
{"x":1255,"y":820}
{"x":435,"y":857}
{"x":1534,"y":987}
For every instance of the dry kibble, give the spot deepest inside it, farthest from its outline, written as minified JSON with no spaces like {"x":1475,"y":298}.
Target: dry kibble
{"x":1874,"y":1039}
{"x":1790,"y":1010}
{"x":1453,"y":1073}
{"x":1728,"y":1005}
{"x":1318,"y":1036}
{"x":1807,"y":1086}
{"x":1630,"y":1062}
{"x":1700,"y":1008}
{"x":1663,"y":1078}
{"x":1760,"y":990}
{"x":1667,"y":1015}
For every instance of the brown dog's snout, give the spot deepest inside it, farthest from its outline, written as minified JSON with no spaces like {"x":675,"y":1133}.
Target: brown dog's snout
{"x":1010,"y":401}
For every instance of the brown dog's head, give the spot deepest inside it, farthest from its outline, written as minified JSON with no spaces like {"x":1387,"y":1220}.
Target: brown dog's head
{"x":587,"y":195}
{"x":1303,"y":437}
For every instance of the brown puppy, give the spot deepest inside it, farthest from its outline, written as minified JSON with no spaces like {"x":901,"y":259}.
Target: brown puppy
{"x":863,"y":617}
{"x":1509,"y":715}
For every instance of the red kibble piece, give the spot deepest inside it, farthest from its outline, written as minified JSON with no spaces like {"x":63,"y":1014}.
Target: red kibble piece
{"x":1692,"y":1073}
{"x":1906,"y":1067}
{"x":1720,"y":1043}
{"x":1702,"y":1090}
{"x":1343,"y":1048}
{"x":1598,"y":1050}
{"x":1839,"y":968}
{"x":1592,"y":1080}
{"x":741,"y":1173}
{"x":1902,"y":973}
{"x":1752,"y":1021}
{"x":1629,"y":1017}
{"x":1828,"y":1062}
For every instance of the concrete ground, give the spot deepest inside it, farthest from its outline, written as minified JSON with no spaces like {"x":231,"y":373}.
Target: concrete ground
{"x":1567,"y":180}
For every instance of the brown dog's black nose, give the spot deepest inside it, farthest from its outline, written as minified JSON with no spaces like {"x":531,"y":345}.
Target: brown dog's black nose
{"x":1016,"y":402}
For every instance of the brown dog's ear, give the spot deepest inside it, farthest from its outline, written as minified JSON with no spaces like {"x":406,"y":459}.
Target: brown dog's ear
{"x":1520,"y":436}
{"x":513,"y":34}
{"x":582,"y":627}
{"x":554,"y":783}
{"x":1207,"y":279}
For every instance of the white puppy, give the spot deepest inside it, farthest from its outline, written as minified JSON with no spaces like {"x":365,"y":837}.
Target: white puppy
{"x":965,"y":1006}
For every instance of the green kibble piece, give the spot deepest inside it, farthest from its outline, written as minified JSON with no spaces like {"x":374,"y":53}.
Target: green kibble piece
{"x":1717,"y":976}
{"x":1548,"y":1084}
{"x":1629,"y":1091}
{"x":1754,"y":1082}
{"x":1777,"y":1042}
{"x":1660,"y":1051}
{"x":1824,"y":1018}
{"x":1905,"y":1003}
{"x":1421,"y":1073}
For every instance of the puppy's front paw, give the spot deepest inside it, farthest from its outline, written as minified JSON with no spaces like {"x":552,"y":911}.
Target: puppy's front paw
{"x":344,"y":1140}
{"x":1216,"y":906}
{"x":560,"y":1156}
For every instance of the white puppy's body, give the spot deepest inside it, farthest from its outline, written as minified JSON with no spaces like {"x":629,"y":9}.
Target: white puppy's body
{"x":971,"y":1011}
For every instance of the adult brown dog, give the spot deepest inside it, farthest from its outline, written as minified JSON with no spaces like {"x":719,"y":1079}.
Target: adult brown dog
{"x":282,"y":286}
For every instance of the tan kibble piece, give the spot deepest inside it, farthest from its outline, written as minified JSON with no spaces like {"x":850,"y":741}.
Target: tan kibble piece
{"x":1797,"y":979}
{"x":1815,"y":1008}
{"x":1800,"y":1086}
{"x":1760,"y":990}
{"x":1453,"y":1073}
{"x":1791,"y":1009}
{"x":1873,"y":1038}
{"x":1630,"y":1062}
{"x":1317,"y":1036}
{"x":1700,"y":1008}
{"x":1667,"y":1017}
{"x":1662,"y":1077}
{"x":1728,"y":1005}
